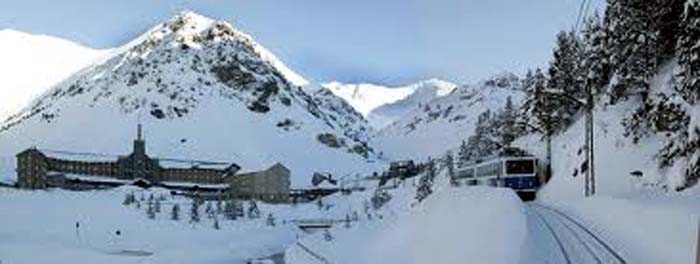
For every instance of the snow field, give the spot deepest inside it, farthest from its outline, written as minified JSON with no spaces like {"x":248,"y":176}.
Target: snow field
{"x":39,"y":227}
{"x":453,"y":225}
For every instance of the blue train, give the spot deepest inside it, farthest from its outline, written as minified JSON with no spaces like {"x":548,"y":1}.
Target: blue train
{"x":516,"y":172}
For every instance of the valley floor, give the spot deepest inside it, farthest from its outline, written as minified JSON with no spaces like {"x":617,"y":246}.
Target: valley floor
{"x":453,"y":225}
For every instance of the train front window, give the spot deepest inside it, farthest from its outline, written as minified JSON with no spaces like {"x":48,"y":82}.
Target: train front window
{"x":520,"y":167}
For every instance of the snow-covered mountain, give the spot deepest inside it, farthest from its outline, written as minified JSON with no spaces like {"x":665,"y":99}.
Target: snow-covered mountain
{"x":31,"y":64}
{"x":444,"y":122}
{"x":204,"y":90}
{"x":382,"y":105}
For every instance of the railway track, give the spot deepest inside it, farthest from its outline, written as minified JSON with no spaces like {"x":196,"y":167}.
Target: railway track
{"x":576,"y":243}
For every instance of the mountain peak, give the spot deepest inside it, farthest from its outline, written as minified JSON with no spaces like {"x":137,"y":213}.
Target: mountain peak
{"x":189,"y":20}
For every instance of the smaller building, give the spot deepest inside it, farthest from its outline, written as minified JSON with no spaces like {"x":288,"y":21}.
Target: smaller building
{"x":269,"y":185}
{"x":32,"y":169}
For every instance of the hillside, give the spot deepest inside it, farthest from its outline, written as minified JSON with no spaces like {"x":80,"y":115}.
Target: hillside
{"x":31,"y":64}
{"x":382,"y":105}
{"x":616,"y":154}
{"x":444,"y":122}
{"x":204,"y":90}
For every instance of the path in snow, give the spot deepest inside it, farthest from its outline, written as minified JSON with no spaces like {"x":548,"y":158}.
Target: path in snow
{"x":555,"y":237}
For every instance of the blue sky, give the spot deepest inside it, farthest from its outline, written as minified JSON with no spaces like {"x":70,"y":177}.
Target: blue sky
{"x":379,"y":41}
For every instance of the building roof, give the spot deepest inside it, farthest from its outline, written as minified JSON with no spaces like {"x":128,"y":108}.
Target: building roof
{"x":276,"y":165}
{"x":192,"y":185}
{"x":78,"y":156}
{"x":90,"y":178}
{"x":188,"y":164}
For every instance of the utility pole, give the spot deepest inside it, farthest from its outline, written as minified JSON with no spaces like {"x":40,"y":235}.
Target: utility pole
{"x":589,"y":143}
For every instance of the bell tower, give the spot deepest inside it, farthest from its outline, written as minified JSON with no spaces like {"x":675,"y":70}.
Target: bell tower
{"x":139,"y":143}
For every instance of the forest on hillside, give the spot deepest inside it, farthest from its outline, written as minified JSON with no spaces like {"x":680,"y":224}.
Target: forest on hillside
{"x":606,"y":60}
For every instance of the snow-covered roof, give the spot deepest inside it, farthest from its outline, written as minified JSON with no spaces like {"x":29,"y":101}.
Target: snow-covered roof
{"x":79,"y":156}
{"x":325,"y":185}
{"x":91,"y":178}
{"x":192,"y":185}
{"x":177,"y":164}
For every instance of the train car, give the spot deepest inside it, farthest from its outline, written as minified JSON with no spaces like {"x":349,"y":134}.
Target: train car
{"x":518,"y":173}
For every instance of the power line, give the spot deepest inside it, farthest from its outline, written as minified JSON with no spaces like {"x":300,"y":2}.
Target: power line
{"x":579,"y":15}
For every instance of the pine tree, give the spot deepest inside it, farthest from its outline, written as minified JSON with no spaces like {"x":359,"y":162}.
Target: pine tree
{"x":209,"y":210}
{"x":688,"y":84}
{"x":175,"y":213}
{"x":253,"y":210}
{"x":129,"y":199}
{"x":157,"y":206}
{"x":538,"y":106}
{"x":231,"y":210}
{"x":270,"y":220}
{"x":219,"y":207}
{"x":449,"y":164}
{"x":508,"y":128}
{"x":687,"y":75}
{"x":327,"y":235}
{"x":463,"y":155}
{"x":564,"y":88}
{"x":194,"y":212}
{"x":563,"y":68}
{"x":347,"y":221}
{"x":151,"y":212}
{"x":595,"y":65}
{"x":425,"y":185}
{"x":216,"y":223}
{"x":540,"y":112}
{"x":667,"y":17}
{"x":319,"y":204}
{"x":632,"y":41}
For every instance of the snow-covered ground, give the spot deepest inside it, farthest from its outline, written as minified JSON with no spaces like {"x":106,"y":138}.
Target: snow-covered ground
{"x":647,"y":228}
{"x":453,"y":225}
{"x":39,"y":227}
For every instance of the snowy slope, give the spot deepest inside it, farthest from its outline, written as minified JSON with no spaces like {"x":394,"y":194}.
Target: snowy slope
{"x":31,"y":64}
{"x":382,"y":105}
{"x":616,"y":155}
{"x":444,"y":122}
{"x":452,"y":225}
{"x":204,"y":90}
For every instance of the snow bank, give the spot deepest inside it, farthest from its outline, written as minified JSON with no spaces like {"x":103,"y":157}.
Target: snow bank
{"x":455,"y":225}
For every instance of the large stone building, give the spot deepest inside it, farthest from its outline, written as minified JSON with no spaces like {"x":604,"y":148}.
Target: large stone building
{"x":271,"y":185}
{"x":36,"y":169}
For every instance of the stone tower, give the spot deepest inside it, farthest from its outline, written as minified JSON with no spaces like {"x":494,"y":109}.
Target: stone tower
{"x":139,"y":155}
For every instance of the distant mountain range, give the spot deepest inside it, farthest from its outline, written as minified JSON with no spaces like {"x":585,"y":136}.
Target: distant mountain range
{"x":441,"y":124}
{"x":382,"y":105}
